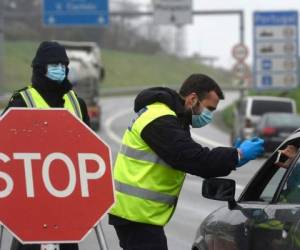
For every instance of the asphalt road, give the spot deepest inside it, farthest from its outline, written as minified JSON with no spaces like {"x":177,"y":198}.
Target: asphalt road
{"x":191,"y":208}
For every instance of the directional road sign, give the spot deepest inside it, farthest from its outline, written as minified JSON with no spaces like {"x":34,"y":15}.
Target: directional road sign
{"x":275,"y":50}
{"x":178,"y":12}
{"x":55,"y":176}
{"x":75,"y":12}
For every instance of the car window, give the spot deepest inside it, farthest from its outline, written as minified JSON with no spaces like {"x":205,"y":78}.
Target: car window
{"x":260,"y":107}
{"x":268,"y":182}
{"x":270,"y":189}
{"x":291,"y":190}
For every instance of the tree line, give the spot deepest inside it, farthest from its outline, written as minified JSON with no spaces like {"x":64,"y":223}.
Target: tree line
{"x":23,"y":21}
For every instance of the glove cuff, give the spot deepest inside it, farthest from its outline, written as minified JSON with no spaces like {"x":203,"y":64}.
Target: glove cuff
{"x":239,"y":154}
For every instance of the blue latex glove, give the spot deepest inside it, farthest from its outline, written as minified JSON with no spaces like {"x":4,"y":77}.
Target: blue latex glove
{"x":250,"y":149}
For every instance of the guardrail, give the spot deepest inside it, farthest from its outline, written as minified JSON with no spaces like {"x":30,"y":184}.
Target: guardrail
{"x":133,"y":90}
{"x":4,"y":98}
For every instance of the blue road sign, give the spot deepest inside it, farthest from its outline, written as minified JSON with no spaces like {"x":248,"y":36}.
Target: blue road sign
{"x":266,"y":64}
{"x":75,"y":12}
{"x":267,"y":80}
{"x":275,"y":49}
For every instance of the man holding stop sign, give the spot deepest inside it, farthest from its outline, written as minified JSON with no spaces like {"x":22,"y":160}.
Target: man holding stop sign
{"x":50,"y":88}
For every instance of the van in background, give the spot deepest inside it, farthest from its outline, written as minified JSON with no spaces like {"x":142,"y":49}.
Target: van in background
{"x":249,"y":110}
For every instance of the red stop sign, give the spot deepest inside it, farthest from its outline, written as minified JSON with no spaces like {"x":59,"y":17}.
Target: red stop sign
{"x":55,"y":176}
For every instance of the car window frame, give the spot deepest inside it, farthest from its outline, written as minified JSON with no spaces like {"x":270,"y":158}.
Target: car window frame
{"x":293,"y":165}
{"x":261,"y":179}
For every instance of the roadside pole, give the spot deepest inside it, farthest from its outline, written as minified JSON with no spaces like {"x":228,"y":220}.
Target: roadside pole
{"x":242,"y":41}
{"x":178,"y":37}
{"x":1,"y":42}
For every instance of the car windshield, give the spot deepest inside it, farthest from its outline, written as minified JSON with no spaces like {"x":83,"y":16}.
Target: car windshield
{"x":261,"y":107}
{"x":283,"y":120}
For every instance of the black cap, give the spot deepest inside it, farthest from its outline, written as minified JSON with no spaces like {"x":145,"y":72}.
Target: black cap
{"x":50,"y":52}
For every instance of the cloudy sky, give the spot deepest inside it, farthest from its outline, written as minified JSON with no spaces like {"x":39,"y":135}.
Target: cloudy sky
{"x":223,"y":31}
{"x":216,"y":35}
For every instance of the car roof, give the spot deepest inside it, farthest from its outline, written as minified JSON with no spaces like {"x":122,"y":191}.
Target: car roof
{"x":294,"y":135}
{"x":280,"y":114}
{"x":271,"y":98}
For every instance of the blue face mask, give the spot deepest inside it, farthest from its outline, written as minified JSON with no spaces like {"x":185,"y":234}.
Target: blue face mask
{"x":56,"y":72}
{"x":202,"y":119}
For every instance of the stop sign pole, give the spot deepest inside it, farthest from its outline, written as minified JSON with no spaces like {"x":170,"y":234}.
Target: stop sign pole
{"x":99,"y":234}
{"x":55,"y":177}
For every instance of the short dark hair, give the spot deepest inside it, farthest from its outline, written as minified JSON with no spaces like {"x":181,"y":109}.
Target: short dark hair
{"x":200,"y":84}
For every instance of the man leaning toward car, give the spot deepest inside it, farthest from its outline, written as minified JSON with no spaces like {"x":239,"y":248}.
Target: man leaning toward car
{"x":156,"y":153}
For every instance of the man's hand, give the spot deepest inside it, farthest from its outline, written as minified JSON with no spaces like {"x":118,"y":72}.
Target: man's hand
{"x":250,"y":149}
{"x":290,"y":152}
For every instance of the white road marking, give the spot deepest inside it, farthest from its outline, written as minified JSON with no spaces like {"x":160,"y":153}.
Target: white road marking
{"x":110,"y":120}
{"x":116,"y":138}
{"x":207,"y":141}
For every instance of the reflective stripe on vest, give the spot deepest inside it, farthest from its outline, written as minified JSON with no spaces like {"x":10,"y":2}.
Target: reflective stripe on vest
{"x":142,"y":155}
{"x":34,"y":100}
{"x":74,"y":103}
{"x":145,"y":194}
{"x":147,"y":188}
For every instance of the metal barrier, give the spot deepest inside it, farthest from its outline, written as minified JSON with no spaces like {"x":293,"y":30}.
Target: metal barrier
{"x":132,"y":90}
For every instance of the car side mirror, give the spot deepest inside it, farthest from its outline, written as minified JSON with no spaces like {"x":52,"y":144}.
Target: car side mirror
{"x":220,"y":189}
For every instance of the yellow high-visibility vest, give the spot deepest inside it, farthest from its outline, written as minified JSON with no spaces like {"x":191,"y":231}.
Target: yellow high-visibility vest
{"x":33,"y":99}
{"x":147,"y":188}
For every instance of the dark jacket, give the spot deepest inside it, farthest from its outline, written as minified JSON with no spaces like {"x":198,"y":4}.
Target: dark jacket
{"x":169,"y":137}
{"x":51,"y":92}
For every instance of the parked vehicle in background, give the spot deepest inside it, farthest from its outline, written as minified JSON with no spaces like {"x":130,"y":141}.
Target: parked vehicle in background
{"x":275,"y":127}
{"x":86,"y":73}
{"x":250,"y":109}
{"x":267,"y":214}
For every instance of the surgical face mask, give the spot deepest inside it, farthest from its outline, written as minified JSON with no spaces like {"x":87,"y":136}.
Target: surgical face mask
{"x":56,"y":72}
{"x":202,"y":119}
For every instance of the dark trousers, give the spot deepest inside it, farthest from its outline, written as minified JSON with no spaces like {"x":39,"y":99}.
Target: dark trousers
{"x":138,"y":236}
{"x":16,"y":245}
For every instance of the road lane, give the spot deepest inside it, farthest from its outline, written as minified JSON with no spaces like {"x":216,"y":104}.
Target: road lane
{"x":192,"y":207}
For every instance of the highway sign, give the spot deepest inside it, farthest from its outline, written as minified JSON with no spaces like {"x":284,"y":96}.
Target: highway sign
{"x":178,"y":12}
{"x":241,"y":70}
{"x":275,"y":50}
{"x":55,"y":174}
{"x":75,"y":12}
{"x":240,"y":52}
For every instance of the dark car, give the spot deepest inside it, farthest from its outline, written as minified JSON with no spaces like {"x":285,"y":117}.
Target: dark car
{"x":275,"y":127}
{"x":267,"y":214}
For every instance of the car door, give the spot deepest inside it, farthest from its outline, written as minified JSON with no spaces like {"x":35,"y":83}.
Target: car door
{"x":231,"y":229}
{"x":266,"y":216}
{"x":284,"y":212}
{"x":277,"y":227}
{"x":237,"y":228}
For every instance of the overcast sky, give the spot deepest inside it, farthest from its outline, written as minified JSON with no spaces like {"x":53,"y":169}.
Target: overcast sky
{"x":215,"y":35}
